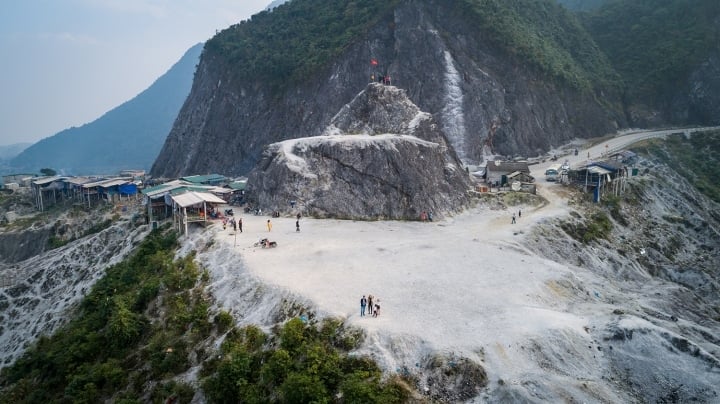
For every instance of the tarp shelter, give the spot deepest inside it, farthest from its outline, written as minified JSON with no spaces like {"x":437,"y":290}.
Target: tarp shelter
{"x":105,"y":188}
{"x":193,"y":207}
{"x":128,"y":189}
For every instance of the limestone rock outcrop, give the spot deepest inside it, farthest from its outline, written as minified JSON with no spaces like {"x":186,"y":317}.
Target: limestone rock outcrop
{"x":380,"y":158}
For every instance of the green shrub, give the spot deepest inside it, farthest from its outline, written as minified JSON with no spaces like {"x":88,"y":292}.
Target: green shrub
{"x":223,"y":321}
{"x":300,"y":387}
{"x":182,"y":392}
{"x":301,"y":363}
{"x":599,"y":227}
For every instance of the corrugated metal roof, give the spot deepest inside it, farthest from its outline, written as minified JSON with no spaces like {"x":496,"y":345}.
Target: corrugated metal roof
{"x":46,"y":180}
{"x":598,"y":170}
{"x":118,"y":181}
{"x":199,"y":179}
{"x":164,"y":188}
{"x":194,"y":198}
{"x":155,"y":189}
{"x":508,"y":166}
{"x":78,"y":180}
{"x":237,"y":185}
{"x":220,"y":190}
{"x":106,"y":182}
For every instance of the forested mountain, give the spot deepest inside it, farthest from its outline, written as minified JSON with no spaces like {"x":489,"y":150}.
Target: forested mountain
{"x":668,"y":54}
{"x":500,"y":77}
{"x":127,"y":137}
{"x":10,"y":151}
{"x":582,"y":5}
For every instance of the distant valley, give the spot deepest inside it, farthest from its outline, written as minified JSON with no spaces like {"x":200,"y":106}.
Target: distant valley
{"x":127,"y":137}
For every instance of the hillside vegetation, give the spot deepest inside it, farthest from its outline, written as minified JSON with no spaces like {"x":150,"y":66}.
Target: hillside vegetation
{"x":545,"y":35}
{"x":297,"y":38}
{"x":148,"y":320}
{"x":654,"y":44}
{"x":696,"y":158}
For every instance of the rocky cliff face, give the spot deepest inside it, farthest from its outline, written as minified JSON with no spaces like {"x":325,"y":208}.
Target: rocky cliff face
{"x":478,"y":95}
{"x":380,"y":158}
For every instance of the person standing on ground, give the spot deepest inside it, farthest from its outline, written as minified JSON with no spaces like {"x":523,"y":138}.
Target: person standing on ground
{"x":370,"y":304}
{"x":240,"y":224}
{"x":376,"y":312}
{"x":363,"y":303}
{"x":297,"y":225}
{"x":519,"y":213}
{"x":269,"y":224}
{"x":513,"y":218}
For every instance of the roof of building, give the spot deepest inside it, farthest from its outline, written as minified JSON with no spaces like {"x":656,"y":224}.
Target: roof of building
{"x":194,"y":198}
{"x":610,"y":165}
{"x":200,"y":179}
{"x":46,"y":180}
{"x":106,"y":182}
{"x":237,"y":185}
{"x":598,"y":170}
{"x":164,"y":188}
{"x":78,"y":180}
{"x":508,"y":166}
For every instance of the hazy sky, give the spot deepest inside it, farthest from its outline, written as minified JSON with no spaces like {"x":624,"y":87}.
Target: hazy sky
{"x":67,"y":62}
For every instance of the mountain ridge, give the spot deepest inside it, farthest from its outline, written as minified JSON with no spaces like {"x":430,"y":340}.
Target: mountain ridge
{"x":475,"y":90}
{"x":126,"y":137}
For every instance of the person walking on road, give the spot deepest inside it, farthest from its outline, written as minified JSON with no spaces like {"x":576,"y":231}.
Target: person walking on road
{"x":513,"y":218}
{"x":269,"y":225}
{"x":240,"y":224}
{"x":297,"y":225}
{"x":370,"y":304}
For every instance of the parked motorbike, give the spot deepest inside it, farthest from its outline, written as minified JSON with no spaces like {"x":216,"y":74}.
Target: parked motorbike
{"x":265,"y":243}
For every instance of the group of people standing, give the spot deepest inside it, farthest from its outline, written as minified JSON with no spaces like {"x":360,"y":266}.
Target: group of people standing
{"x":238,"y":225}
{"x":235,"y":224}
{"x":372,"y":304}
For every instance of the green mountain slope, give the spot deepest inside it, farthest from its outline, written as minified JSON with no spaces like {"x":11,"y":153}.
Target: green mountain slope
{"x":297,"y":38}
{"x":545,"y":35}
{"x":655,"y":44}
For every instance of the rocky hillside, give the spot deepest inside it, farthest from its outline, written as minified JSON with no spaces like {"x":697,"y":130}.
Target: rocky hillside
{"x":660,"y":243}
{"x":127,"y":137}
{"x":637,"y":276}
{"x":39,"y":294}
{"x":479,"y":68}
{"x":380,"y":158}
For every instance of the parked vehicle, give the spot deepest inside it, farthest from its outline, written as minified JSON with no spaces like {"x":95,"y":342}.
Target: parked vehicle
{"x":552,"y":173}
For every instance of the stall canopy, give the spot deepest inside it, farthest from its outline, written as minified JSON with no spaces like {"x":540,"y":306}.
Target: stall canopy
{"x":194,"y":198}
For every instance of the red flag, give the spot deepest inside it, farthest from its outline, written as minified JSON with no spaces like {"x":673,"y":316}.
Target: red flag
{"x":373,"y":62}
